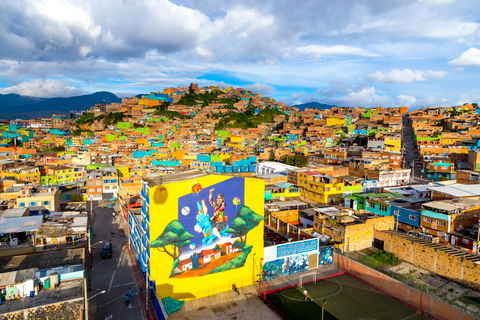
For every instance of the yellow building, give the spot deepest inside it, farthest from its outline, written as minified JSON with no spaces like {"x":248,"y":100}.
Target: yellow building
{"x":320,"y":188}
{"x":47,"y":199}
{"x":334,"y":122}
{"x":22,"y":174}
{"x":393,"y":144}
{"x":186,"y":255}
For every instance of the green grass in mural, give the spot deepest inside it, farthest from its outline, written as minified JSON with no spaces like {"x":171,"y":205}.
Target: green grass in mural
{"x":236,"y":262}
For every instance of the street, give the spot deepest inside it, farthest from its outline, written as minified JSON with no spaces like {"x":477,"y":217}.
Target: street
{"x":114,"y":275}
{"x":411,"y":152}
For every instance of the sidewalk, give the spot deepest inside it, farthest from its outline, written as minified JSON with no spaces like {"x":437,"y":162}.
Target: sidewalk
{"x":137,"y":273}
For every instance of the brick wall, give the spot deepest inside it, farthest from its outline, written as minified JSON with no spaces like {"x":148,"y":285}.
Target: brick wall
{"x":445,"y":261}
{"x":408,"y":295}
{"x":66,"y":310}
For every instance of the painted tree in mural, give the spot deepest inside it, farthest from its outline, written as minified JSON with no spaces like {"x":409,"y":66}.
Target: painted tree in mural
{"x":245,"y":221}
{"x":174,"y":235}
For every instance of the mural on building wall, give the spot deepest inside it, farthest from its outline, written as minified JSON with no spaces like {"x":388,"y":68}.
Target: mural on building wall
{"x":325,"y":256}
{"x":286,"y":266}
{"x":210,"y":234}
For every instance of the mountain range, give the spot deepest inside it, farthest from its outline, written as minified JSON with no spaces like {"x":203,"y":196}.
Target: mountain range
{"x":14,"y":106}
{"x":314,"y":105}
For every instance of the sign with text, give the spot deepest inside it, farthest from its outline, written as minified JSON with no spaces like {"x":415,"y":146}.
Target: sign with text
{"x":297,"y":248}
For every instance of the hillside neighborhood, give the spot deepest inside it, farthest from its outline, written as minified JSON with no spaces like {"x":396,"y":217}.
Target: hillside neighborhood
{"x":358,"y":180}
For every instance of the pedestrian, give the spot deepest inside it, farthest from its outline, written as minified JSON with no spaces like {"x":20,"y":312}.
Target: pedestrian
{"x":140,"y":289}
{"x":127,"y":300}
{"x":305,"y":293}
{"x":130,"y":292}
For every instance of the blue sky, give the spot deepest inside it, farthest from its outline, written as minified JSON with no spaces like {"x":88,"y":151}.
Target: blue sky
{"x":349,"y":52}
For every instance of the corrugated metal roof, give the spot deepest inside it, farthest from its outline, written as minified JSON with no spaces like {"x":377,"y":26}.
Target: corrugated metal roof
{"x":20,"y":224}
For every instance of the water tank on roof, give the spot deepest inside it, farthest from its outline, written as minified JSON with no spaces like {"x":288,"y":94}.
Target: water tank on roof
{"x":220,"y":169}
{"x":243,"y":168}
{"x":251,"y":168}
{"x":228,"y":169}
{"x":234,"y":168}
{"x":54,"y":279}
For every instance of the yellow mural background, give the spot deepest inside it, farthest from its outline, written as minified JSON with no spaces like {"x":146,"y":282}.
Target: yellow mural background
{"x":164,"y":209}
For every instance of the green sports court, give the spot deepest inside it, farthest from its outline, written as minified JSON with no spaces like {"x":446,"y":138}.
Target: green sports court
{"x":346,"y":299}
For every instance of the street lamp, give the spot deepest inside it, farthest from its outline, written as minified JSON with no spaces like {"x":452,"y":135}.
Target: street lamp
{"x":324,"y":302}
{"x":103,"y":291}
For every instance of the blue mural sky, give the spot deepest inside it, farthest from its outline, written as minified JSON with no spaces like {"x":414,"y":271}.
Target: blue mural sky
{"x":349,"y":53}
{"x":231,"y":188}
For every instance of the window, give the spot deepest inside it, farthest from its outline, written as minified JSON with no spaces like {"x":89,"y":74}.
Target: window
{"x":339,"y":188}
{"x":326,"y":189}
{"x":382,"y":208}
{"x":114,"y":180}
{"x":465,"y":241}
{"x":99,"y":189}
{"x":412,"y":217}
{"x":22,"y":204}
{"x":427,"y":220}
{"x":46,"y":202}
{"x":33,"y":203}
{"x":107,"y":181}
{"x":371,"y":205}
{"x":441,"y":223}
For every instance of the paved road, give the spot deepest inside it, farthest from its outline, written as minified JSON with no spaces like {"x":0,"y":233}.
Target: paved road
{"x":115,"y":275}
{"x":411,"y":152}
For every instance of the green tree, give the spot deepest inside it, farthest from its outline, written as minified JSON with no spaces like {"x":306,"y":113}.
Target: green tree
{"x":174,"y":235}
{"x":300,"y":160}
{"x":245,"y":221}
{"x":272,"y":156}
{"x":475,"y":105}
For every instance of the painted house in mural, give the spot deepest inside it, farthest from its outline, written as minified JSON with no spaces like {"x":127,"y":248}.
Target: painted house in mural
{"x":199,"y":233}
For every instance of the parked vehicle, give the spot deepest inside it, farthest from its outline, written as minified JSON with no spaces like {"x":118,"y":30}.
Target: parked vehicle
{"x":107,"y":250}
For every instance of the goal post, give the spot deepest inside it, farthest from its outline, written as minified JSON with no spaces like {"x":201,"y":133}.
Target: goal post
{"x":307,"y":278}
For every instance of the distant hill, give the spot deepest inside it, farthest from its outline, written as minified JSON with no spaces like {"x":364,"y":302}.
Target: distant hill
{"x":315,"y":105}
{"x":14,"y":106}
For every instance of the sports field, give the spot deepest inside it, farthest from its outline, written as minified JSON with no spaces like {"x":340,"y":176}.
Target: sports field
{"x":347,"y":298}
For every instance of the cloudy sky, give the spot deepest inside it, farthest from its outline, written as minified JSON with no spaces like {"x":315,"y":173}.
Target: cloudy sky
{"x":347,"y":52}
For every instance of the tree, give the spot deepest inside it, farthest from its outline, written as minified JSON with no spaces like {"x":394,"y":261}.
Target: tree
{"x":174,"y":235}
{"x":272,"y":156}
{"x":475,"y":105}
{"x":245,"y":221}
{"x":300,"y":160}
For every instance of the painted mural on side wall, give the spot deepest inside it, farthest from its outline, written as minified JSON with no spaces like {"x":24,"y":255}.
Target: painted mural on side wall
{"x":211,"y":232}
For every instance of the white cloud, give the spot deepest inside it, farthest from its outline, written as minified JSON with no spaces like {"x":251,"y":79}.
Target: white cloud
{"x":405,"y":76}
{"x":468,"y":98}
{"x":47,"y":88}
{"x":469,"y":58}
{"x":436,"y":2}
{"x":404,"y":100}
{"x":262,"y":88}
{"x":319,"y":52}
{"x":366,"y":97}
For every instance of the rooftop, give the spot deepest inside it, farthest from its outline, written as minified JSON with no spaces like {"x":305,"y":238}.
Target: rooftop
{"x":44,"y":260}
{"x":458,"y":190}
{"x":20,"y":224}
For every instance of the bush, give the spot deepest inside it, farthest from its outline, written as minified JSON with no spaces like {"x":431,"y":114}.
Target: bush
{"x":384,"y":257}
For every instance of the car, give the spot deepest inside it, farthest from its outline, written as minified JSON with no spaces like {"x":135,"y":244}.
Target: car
{"x":107,"y":250}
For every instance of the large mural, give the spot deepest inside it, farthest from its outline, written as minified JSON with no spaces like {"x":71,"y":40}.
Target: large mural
{"x":215,"y":227}
{"x":290,"y":258}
